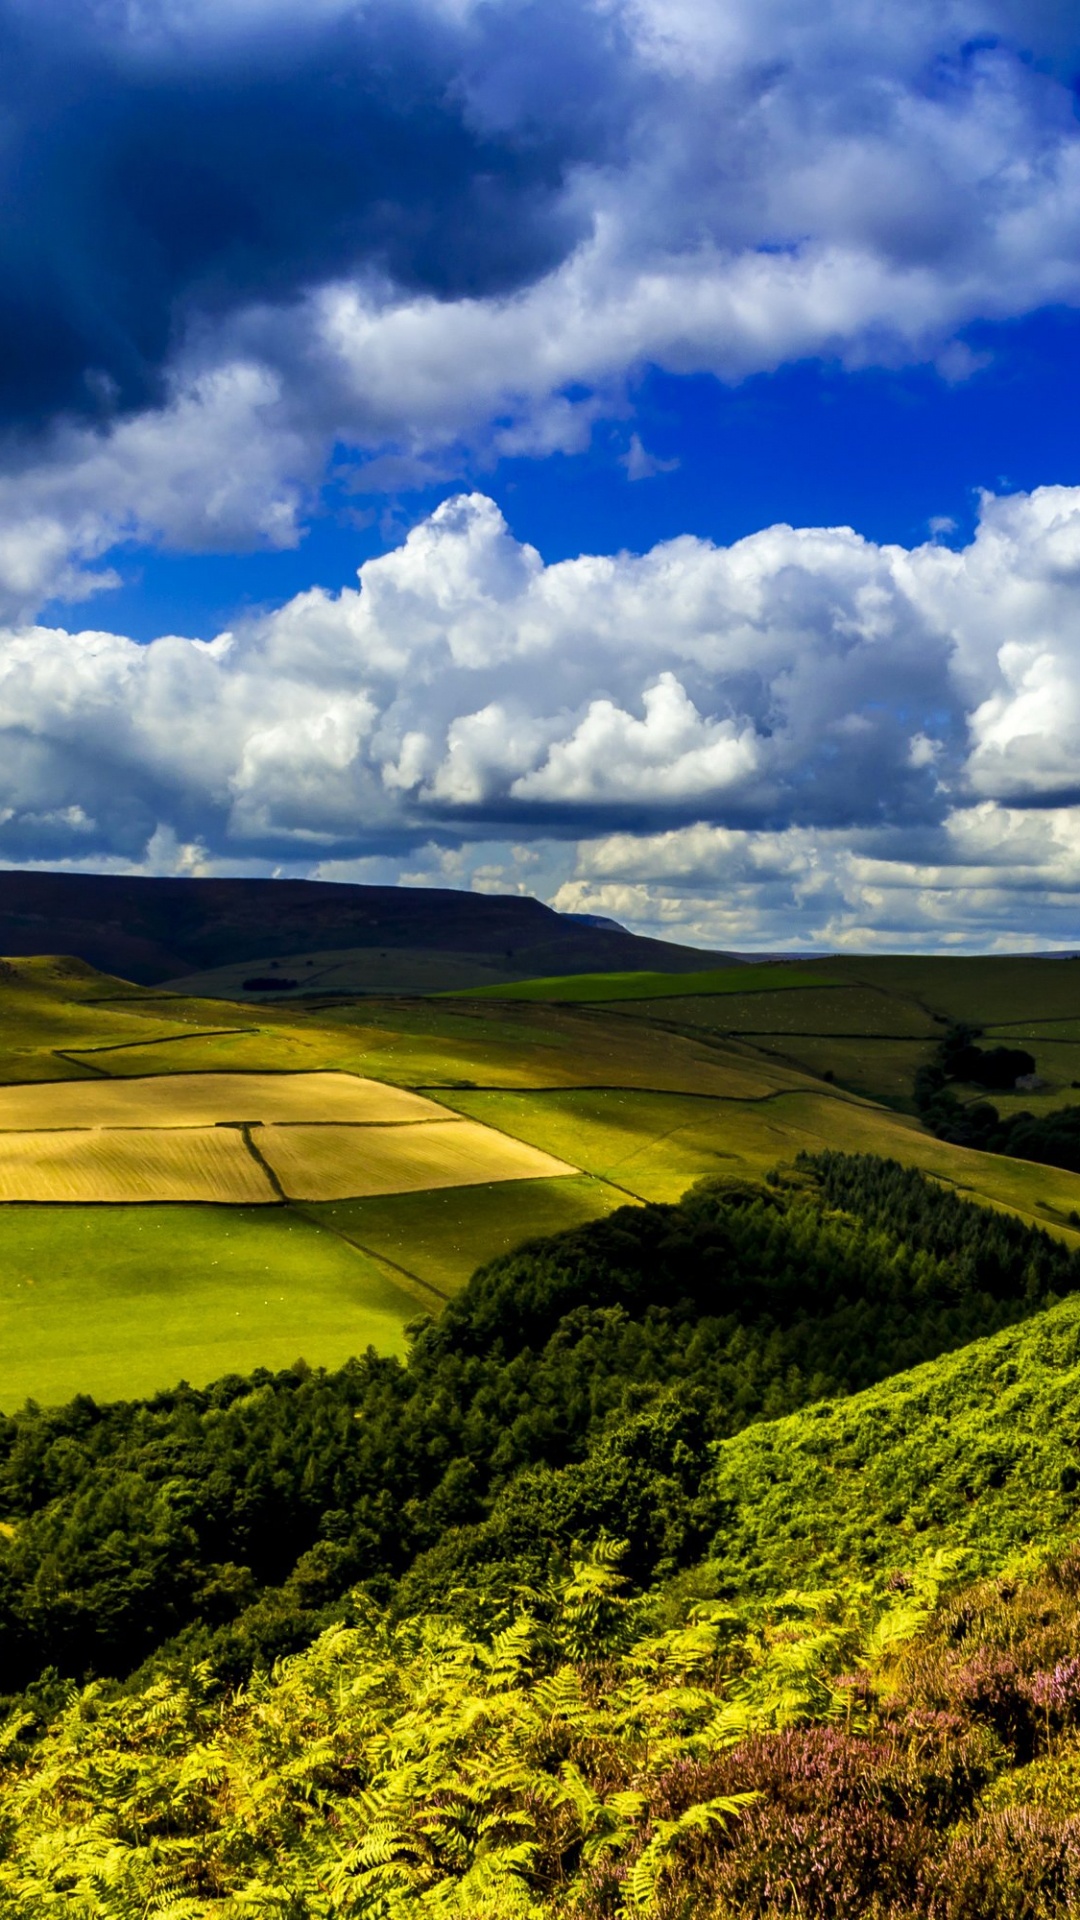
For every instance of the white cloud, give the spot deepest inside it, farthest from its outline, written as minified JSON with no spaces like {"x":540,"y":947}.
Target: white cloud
{"x":800,"y":730}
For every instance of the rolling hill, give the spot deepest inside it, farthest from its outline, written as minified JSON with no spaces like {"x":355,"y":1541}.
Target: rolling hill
{"x":151,"y":930}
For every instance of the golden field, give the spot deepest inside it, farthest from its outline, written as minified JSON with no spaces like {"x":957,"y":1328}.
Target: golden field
{"x":343,"y":1163}
{"x":205,"y":1137}
{"x":207,"y":1099}
{"x":132,"y":1164}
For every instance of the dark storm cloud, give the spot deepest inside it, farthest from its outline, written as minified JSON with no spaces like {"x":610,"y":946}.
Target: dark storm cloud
{"x":148,"y":176}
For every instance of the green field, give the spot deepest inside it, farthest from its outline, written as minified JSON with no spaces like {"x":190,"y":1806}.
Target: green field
{"x":119,"y":1301}
{"x":443,"y":1237}
{"x":585,"y":988}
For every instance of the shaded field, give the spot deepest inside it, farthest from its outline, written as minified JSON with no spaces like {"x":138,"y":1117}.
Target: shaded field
{"x":848,"y":1011}
{"x":876,"y":1069}
{"x":132,"y":1165}
{"x":654,"y":1146}
{"x":584,"y":988}
{"x":339,"y":1163}
{"x":443,"y":1236}
{"x":347,"y":970}
{"x":983,"y":989}
{"x":119,"y":1302}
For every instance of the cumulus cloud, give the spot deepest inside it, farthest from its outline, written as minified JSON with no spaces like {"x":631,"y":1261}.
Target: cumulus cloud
{"x":242,"y":236}
{"x":803,"y":727}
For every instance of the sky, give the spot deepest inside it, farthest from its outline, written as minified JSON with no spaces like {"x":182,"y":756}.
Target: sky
{"x":626,"y":451}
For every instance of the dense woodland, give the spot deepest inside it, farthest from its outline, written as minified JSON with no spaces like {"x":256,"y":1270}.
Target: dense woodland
{"x":576,"y":1388}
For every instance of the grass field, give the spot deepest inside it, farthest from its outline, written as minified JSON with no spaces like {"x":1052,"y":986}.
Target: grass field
{"x":652,"y":1147}
{"x":120,"y":1301}
{"x":338,"y":1163}
{"x":442,"y":1236}
{"x":586,"y":988}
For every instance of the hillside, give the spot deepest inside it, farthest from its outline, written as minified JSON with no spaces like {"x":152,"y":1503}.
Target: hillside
{"x":151,"y":930}
{"x":147,"y":1162}
{"x":737,"y":1739}
{"x":574,"y":1388}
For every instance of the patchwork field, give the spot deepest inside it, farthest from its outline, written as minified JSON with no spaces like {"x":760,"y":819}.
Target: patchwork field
{"x":356,"y":1158}
{"x":240,"y":1140}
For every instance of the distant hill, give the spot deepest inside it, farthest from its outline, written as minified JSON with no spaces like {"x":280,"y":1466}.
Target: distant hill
{"x":151,"y":930}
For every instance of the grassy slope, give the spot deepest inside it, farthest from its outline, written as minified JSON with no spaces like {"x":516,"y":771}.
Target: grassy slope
{"x":652,"y":1146}
{"x":119,"y":1301}
{"x":585,"y":988}
{"x":644,"y":1097}
{"x":445,"y":1235}
{"x":977,"y":1453}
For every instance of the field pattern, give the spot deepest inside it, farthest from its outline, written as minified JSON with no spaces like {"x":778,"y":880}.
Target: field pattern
{"x":243,"y":1140}
{"x":406,"y":1139}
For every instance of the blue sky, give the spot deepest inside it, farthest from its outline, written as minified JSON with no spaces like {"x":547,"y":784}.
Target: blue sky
{"x":692,"y":385}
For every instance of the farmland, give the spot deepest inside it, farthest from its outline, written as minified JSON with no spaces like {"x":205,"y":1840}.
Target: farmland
{"x":406,"y":1139}
{"x":119,"y":1301}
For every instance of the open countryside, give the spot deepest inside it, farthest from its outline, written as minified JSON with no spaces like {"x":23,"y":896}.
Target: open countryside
{"x":406,"y":1139}
{"x":625,"y":1298}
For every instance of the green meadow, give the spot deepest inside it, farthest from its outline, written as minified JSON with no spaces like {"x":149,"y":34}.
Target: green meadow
{"x":587,"y":988}
{"x":117,"y":1302}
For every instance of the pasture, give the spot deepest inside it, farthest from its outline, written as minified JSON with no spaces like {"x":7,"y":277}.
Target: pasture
{"x":118,"y":1302}
{"x":583,"y":989}
{"x":443,"y":1235}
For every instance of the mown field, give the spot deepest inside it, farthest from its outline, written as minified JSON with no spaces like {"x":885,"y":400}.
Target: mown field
{"x":388,"y":1145}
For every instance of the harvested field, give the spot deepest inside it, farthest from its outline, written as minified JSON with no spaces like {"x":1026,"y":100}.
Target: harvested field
{"x":137,"y":1164}
{"x":341,"y":1163}
{"x":204,"y":1099}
